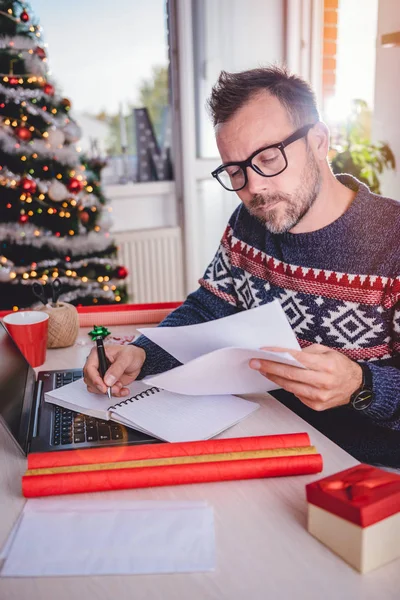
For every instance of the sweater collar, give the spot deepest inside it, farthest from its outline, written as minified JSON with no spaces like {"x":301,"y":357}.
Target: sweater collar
{"x":337,"y":227}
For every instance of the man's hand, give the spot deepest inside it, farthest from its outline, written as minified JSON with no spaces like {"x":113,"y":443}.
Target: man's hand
{"x":329,"y":380}
{"x":126,"y":363}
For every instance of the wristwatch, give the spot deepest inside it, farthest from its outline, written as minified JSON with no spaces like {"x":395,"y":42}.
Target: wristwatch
{"x":364,"y":396}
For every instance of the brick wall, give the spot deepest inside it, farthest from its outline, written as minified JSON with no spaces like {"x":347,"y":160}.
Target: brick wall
{"x":331,"y":8}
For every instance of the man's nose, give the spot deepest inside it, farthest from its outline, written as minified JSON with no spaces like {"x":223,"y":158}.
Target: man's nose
{"x":256,"y":184}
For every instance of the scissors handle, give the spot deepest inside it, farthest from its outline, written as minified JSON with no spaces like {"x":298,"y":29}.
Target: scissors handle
{"x":55,"y":290}
{"x":38,"y":291}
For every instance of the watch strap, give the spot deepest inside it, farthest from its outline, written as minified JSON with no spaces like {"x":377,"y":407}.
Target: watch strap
{"x":363,"y":397}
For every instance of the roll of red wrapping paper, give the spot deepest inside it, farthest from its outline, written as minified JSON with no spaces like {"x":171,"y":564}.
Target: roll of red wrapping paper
{"x":79,"y":481}
{"x":163,"y":450}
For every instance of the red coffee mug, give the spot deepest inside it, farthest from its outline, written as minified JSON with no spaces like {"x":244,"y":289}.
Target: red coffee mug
{"x":28,"y":328}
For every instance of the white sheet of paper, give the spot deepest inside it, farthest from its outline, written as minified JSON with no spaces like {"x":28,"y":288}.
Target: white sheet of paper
{"x":96,"y":536}
{"x":178,"y":418}
{"x":224,"y":371}
{"x":265,"y":325}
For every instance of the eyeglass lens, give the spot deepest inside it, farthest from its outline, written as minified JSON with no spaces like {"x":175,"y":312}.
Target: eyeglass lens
{"x":269,"y":162}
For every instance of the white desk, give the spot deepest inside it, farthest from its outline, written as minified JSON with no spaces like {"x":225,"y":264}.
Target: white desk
{"x":263,"y":549}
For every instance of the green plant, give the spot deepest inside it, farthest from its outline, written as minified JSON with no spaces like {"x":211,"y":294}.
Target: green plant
{"x":355,"y":153}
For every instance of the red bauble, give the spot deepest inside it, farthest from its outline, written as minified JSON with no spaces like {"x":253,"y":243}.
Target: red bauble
{"x":23,"y":133}
{"x":122,"y":272}
{"x":74,"y":185}
{"x":40,"y":52}
{"x":13,"y":81}
{"x":84,"y":217}
{"x":24,"y":16}
{"x":28,"y":185}
{"x":23,"y":218}
{"x":48,"y":89}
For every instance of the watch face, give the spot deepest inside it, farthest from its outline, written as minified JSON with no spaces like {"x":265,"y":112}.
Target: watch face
{"x":362,"y":400}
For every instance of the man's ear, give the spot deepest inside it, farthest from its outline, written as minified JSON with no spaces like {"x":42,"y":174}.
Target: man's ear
{"x":319,"y":135}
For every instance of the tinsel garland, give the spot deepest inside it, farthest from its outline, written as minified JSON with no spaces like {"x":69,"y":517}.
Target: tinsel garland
{"x":49,"y":118}
{"x":20,"y":44}
{"x":58,"y":122}
{"x":82,"y":198}
{"x":18,"y":95}
{"x":70,"y":281}
{"x":24,"y":235}
{"x":47,"y":264}
{"x":88,"y":290}
{"x":68,"y":155}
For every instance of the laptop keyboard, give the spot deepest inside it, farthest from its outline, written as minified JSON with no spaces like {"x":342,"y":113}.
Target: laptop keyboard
{"x":74,"y":428}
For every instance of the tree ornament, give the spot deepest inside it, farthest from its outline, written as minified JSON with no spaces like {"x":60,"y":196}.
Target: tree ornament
{"x":23,"y":133}
{"x":84,"y":217}
{"x":23,"y":218}
{"x":24,"y":16}
{"x":55,"y":138}
{"x":66,"y":102}
{"x":99,"y":332}
{"x":28,"y":185}
{"x":72,"y":132}
{"x":5,"y":274}
{"x":57,"y":191}
{"x":48,"y":89}
{"x":122,"y":272}
{"x":74,"y":185}
{"x":40,"y":52}
{"x":13,"y":81}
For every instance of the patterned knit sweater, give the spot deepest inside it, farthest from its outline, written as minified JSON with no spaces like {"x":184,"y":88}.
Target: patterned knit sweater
{"x":339,"y":286}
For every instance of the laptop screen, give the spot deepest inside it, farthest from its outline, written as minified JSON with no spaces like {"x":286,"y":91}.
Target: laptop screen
{"x":16,"y":386}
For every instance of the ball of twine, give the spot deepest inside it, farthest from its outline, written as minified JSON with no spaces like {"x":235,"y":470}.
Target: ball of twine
{"x":63,"y":325}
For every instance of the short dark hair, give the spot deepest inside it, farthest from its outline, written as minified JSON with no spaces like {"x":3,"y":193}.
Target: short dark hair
{"x":234,"y":90}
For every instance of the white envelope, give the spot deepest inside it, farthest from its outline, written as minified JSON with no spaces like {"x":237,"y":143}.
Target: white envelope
{"x":224,"y":371}
{"x":59,"y":536}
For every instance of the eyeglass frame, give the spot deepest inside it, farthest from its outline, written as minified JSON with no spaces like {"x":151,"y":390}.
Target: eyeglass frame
{"x":244,"y":164}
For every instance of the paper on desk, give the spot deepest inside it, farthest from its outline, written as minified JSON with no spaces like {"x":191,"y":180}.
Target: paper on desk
{"x":225,"y":371}
{"x":95,"y":536}
{"x":265,"y":325}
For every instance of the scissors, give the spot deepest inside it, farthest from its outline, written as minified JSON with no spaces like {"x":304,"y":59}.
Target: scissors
{"x":38,"y":290}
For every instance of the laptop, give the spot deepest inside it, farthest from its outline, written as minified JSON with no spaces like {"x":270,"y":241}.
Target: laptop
{"x":38,"y":426}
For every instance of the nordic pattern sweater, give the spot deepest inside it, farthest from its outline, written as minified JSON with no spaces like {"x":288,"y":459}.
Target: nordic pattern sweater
{"x":339,"y":286}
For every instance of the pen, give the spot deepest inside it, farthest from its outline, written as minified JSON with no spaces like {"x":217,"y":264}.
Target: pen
{"x":104,"y":363}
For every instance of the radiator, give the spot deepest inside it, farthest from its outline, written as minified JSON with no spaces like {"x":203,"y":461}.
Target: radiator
{"x":153,"y":258}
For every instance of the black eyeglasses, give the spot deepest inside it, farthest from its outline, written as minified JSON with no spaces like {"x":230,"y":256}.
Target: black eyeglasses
{"x":267,"y":162}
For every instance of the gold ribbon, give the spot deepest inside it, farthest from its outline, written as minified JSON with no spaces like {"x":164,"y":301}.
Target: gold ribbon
{"x":176,"y":460}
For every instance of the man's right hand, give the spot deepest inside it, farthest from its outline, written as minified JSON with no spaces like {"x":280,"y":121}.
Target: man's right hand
{"x":126,"y":363}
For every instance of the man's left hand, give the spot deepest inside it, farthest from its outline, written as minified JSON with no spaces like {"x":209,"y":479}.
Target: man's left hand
{"x":329,"y":379}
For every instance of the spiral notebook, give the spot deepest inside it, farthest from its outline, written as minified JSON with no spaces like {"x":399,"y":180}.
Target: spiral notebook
{"x":165,"y":415}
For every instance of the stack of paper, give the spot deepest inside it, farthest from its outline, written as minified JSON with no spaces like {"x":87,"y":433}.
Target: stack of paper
{"x":216,"y":354}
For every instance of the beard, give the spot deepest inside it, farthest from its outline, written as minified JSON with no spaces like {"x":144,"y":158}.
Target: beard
{"x":293,"y":206}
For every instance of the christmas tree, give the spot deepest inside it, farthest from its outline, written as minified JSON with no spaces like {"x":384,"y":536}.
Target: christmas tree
{"x":54,"y":221}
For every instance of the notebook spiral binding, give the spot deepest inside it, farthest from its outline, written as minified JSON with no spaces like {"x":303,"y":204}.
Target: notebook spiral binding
{"x":144,"y":394}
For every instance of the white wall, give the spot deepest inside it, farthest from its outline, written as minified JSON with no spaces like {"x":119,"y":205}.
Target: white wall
{"x":386,"y":118}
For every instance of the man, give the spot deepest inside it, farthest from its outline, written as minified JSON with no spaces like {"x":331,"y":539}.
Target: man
{"x":324,"y":246}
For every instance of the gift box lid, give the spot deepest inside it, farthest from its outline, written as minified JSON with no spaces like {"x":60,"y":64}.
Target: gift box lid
{"x":362,"y":494}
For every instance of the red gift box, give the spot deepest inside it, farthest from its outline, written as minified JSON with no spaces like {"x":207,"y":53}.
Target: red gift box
{"x":356,"y":513}
{"x":363,"y":494}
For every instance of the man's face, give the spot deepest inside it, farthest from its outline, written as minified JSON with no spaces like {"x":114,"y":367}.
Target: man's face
{"x":279,"y":202}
